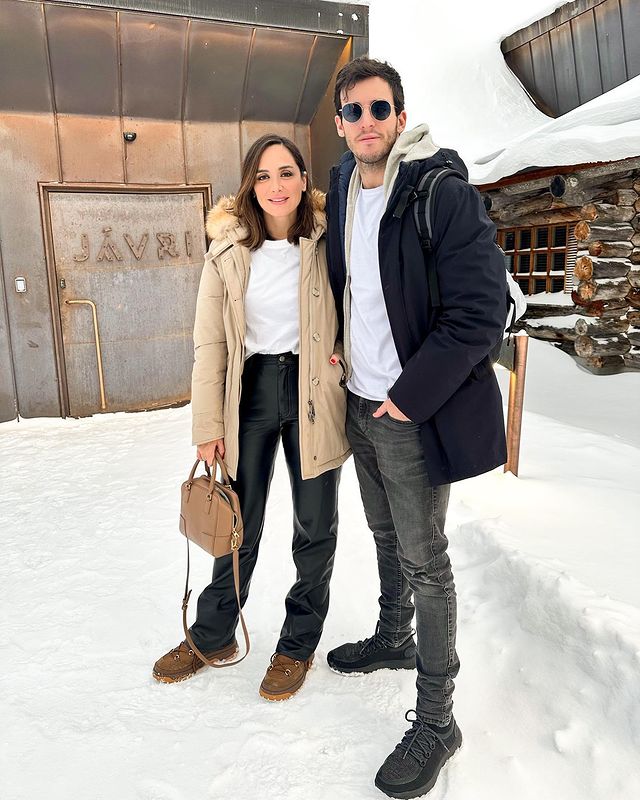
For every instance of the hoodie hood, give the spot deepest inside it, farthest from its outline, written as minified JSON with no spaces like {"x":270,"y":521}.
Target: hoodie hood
{"x":412,"y":145}
{"x":223,"y":223}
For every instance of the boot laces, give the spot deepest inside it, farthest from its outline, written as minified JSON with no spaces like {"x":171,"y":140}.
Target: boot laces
{"x":420,"y":740}
{"x":177,"y":650}
{"x":279,"y":665}
{"x":372,"y":643}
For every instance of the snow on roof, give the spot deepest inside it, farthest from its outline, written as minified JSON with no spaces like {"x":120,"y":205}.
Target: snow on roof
{"x":605,"y":129}
{"x":456,"y":79}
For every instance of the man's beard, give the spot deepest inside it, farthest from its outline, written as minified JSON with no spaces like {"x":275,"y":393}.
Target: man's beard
{"x":376,"y":158}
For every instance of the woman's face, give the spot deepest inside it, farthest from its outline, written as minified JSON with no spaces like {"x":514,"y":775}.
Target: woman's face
{"x":279,"y":183}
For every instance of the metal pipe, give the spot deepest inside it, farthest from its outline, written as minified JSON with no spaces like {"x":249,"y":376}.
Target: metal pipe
{"x":516,"y":404}
{"x":103,"y":402}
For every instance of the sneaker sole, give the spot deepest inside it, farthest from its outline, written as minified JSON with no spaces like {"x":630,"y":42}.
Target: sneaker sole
{"x":427,"y":787}
{"x":180,"y":678}
{"x":373,"y":667}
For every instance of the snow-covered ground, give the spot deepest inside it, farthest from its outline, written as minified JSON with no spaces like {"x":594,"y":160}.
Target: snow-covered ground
{"x":92,"y":573}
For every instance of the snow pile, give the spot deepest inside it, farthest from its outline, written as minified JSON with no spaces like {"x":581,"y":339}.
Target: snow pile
{"x":92,"y":574}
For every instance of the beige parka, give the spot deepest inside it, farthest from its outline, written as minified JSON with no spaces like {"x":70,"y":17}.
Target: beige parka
{"x":219,"y":342}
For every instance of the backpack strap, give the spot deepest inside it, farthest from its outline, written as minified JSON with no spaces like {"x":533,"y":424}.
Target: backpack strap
{"x":423,"y":216}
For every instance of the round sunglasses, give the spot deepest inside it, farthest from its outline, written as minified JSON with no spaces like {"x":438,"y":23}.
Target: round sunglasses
{"x":379,"y":109}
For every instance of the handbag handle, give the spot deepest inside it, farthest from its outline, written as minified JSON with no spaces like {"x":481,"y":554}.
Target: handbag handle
{"x":236,"y":577}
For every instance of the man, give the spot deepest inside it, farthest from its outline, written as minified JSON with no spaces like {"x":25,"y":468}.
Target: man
{"x":424,"y":407}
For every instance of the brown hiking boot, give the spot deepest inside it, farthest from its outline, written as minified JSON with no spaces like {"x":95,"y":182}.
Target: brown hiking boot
{"x":182,"y":663}
{"x":284,"y":677}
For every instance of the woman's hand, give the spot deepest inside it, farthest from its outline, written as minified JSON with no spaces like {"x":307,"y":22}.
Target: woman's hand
{"x":207,"y":451}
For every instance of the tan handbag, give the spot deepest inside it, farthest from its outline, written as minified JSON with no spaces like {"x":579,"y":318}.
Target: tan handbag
{"x":210,"y":517}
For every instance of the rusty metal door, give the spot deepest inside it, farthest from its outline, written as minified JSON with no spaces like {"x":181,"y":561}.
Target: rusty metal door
{"x":126,"y":266}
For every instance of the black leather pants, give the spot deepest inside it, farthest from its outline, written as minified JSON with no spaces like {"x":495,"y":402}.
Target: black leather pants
{"x":268,"y":411}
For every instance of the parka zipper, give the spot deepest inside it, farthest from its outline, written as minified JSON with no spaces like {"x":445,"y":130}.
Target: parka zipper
{"x":311,"y":411}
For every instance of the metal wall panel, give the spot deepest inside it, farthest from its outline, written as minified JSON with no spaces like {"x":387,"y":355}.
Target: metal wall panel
{"x":325,"y":55}
{"x":610,"y":48}
{"x":91,"y":149}
{"x":631,"y":27}
{"x":84,"y":60}
{"x":157,"y":154}
{"x":8,"y":399}
{"x":564,"y":67}
{"x":152,"y":52}
{"x":519,"y":60}
{"x":28,"y":154}
{"x":543,"y":72}
{"x":276,"y":75}
{"x":318,"y":16}
{"x":585,"y":41}
{"x":250,"y":131}
{"x":218,"y":56}
{"x":302,"y":137}
{"x":213,"y":155}
{"x":24,"y":85}
{"x":326,"y":146}
{"x":595,"y":43}
{"x":137,"y":256}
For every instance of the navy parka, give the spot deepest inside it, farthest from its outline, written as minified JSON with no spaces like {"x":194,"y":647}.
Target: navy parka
{"x":447,"y":383}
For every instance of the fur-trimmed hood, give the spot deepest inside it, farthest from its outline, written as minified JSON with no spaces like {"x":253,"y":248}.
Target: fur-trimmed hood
{"x":223,"y":223}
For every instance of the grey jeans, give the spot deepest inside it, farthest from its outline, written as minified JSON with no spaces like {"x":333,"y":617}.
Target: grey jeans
{"x":407,"y":518}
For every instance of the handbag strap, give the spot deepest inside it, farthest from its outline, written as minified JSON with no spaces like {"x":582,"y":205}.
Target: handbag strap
{"x":236,"y":583}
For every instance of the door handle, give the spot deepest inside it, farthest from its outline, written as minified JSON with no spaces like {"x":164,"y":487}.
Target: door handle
{"x":94,"y":310}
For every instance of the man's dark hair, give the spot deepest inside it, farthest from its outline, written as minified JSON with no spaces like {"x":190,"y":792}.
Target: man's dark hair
{"x":362,"y":68}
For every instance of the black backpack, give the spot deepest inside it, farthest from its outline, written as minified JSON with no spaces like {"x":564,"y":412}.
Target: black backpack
{"x":422,"y":199}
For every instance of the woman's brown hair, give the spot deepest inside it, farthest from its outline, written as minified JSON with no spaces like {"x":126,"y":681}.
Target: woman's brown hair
{"x":247,"y":207}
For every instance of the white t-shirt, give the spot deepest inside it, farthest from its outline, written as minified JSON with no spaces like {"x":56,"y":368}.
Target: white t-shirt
{"x":374,"y":360}
{"x":271,"y":305}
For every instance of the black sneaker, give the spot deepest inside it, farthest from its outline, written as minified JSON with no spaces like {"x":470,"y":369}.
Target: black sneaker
{"x":413,"y":767}
{"x":371,"y":654}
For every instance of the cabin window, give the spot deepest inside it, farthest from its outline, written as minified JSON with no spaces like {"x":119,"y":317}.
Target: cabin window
{"x":542,"y":258}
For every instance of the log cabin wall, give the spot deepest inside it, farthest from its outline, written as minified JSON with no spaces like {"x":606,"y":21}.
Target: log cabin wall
{"x":600,"y":207}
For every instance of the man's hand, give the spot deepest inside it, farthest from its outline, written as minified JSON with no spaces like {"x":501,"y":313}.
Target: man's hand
{"x":390,"y":408}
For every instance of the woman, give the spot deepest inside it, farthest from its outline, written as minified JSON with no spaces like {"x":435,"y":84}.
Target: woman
{"x":264,"y":369}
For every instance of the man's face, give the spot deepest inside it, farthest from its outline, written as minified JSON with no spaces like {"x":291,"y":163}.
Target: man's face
{"x":370,"y":140}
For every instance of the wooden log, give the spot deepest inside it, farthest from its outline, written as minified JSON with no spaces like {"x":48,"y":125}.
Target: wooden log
{"x":634,"y":337}
{"x":635,"y":223}
{"x":636,"y":186}
{"x":599,"y":308}
{"x":610,"y":249}
{"x":601,"y":327}
{"x":588,"y":268}
{"x":633,"y":318}
{"x":634,"y":258}
{"x":635,"y":239}
{"x":633,"y":298}
{"x":606,"y":364}
{"x":587,"y":232}
{"x":605,"y":212}
{"x":539,"y":310}
{"x":552,"y":217}
{"x":613,"y":289}
{"x":636,"y":205}
{"x":548,"y":333}
{"x":618,"y":197}
{"x":632,"y":359}
{"x":634,"y":278}
{"x":522,"y":208}
{"x":588,"y":346}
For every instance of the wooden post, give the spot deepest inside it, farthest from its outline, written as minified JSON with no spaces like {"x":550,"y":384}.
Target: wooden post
{"x":516,"y":404}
